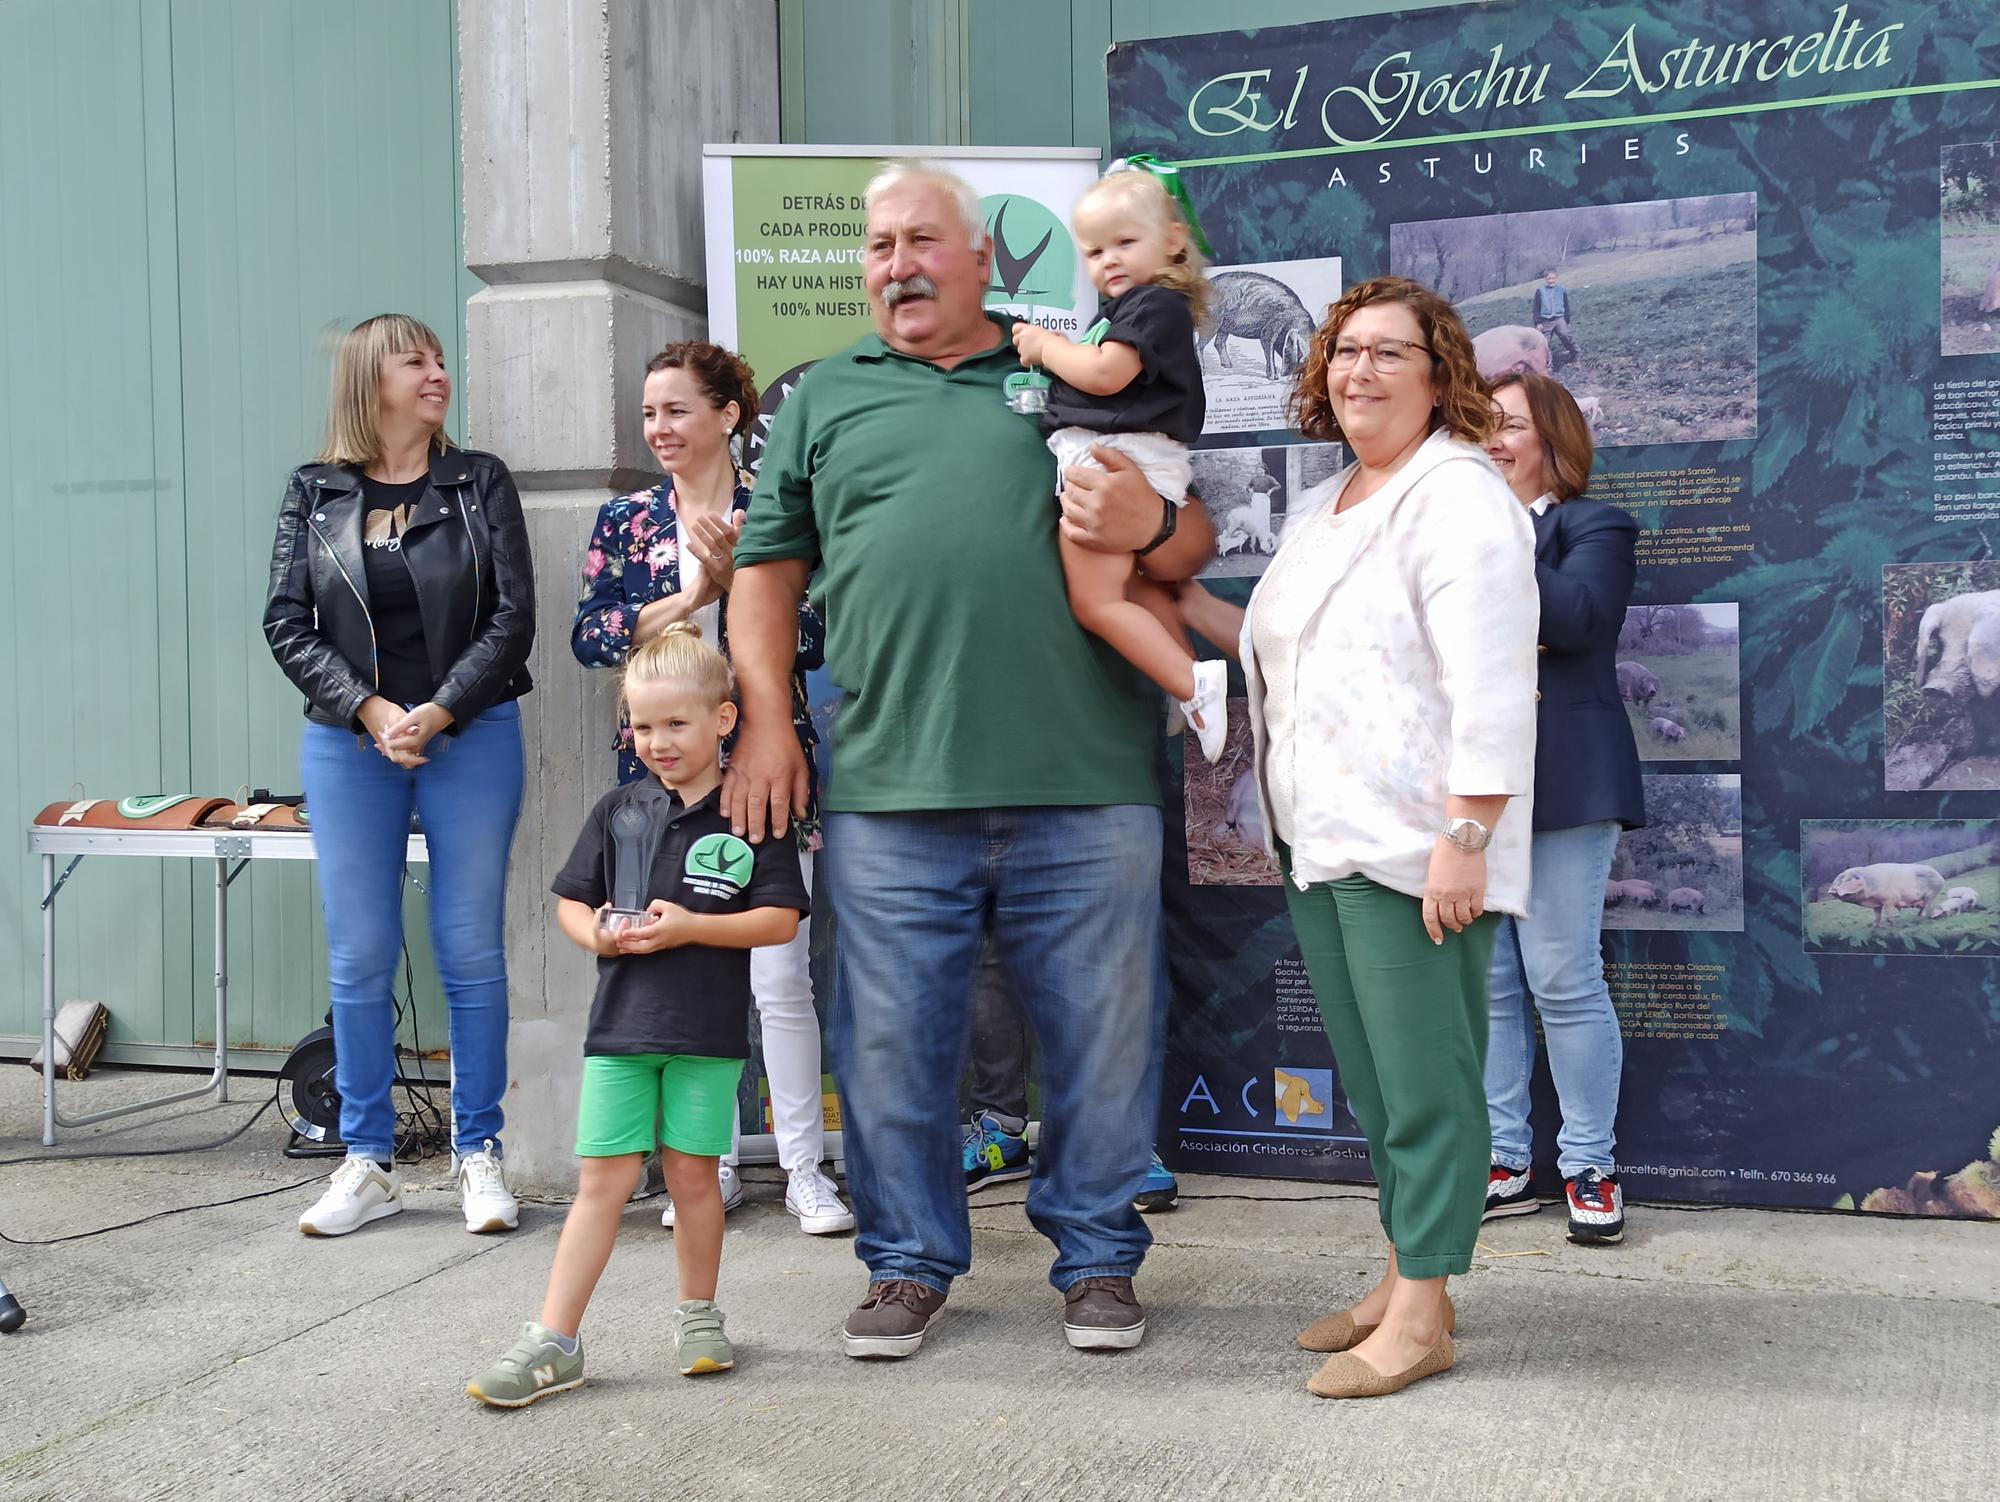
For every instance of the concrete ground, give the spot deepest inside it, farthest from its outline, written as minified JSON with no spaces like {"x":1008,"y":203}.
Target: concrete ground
{"x":219,"y":1354}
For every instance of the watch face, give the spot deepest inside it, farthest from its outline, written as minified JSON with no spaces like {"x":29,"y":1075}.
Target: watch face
{"x":1468,"y":834}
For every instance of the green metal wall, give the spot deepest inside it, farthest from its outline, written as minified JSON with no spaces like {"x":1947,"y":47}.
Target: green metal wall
{"x":195,"y":196}
{"x":986,"y":72}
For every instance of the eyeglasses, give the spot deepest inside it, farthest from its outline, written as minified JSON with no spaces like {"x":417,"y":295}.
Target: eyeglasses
{"x":1386,"y":355}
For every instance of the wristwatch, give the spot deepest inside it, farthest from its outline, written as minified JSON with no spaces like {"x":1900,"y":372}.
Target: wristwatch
{"x":1468,"y":835}
{"x":1167,"y":524}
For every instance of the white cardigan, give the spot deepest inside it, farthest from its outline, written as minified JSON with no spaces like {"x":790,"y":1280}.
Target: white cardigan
{"x":1414,"y":678}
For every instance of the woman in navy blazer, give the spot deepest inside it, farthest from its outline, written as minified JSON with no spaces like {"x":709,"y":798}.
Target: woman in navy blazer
{"x":1586,"y":791}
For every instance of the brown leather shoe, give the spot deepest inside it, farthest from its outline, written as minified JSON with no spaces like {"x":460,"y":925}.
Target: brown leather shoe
{"x":1346,"y":1375}
{"x":890,"y":1322}
{"x":1103,"y":1314}
{"x":1338,"y":1332}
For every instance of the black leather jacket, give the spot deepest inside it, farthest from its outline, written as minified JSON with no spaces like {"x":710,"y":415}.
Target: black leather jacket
{"x":467,"y":548}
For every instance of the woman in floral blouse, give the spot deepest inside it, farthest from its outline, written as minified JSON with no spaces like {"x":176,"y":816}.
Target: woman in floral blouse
{"x":664,"y":555}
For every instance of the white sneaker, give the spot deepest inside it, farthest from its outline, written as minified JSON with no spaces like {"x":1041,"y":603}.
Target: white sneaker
{"x":732,"y":1192}
{"x":360,"y":1192}
{"x":482,"y":1189}
{"x":1208,"y":710}
{"x":814,"y":1199}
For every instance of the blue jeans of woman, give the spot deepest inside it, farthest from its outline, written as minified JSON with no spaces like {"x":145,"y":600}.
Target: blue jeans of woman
{"x":1072,"y":899}
{"x":468,"y":795}
{"x":1554,"y":957}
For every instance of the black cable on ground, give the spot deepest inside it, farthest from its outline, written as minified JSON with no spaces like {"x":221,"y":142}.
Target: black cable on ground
{"x":126,"y":1225}
{"x":147,"y":1152}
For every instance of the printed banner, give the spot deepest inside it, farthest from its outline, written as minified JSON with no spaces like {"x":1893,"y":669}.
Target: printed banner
{"x":1776,"y":233}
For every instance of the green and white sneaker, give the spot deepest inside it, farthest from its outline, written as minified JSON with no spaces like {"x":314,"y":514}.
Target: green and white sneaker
{"x":533,"y":1368}
{"x":700,"y":1347}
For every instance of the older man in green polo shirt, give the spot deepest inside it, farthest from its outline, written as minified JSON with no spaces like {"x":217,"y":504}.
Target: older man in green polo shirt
{"x":993,"y":767}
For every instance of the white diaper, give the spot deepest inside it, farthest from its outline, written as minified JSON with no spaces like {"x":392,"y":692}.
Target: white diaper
{"x":1163,"y":460}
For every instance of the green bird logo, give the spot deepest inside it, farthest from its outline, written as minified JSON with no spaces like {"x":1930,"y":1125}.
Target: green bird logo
{"x":1010,"y":271}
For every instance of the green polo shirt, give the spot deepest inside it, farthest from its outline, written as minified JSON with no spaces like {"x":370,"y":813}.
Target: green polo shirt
{"x":929,"y":508}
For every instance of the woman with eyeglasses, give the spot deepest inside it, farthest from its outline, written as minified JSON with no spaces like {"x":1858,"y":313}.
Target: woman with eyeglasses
{"x":1389,"y":651}
{"x":1587,"y":791}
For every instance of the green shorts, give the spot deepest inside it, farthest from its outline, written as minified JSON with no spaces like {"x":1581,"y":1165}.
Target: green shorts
{"x":691,"y":1100}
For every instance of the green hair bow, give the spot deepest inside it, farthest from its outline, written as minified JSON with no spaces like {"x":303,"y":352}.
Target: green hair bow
{"x":1168,"y":176}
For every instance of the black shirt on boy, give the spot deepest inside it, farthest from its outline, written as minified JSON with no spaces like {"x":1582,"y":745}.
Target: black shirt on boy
{"x":694,"y":999}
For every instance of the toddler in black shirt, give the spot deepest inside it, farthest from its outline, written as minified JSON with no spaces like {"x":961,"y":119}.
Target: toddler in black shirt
{"x":1134,"y":384}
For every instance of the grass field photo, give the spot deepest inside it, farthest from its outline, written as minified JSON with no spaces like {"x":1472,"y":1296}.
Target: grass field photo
{"x":1665,"y":306}
{"x":1969,"y":249}
{"x":1898,"y":886}
{"x":1685,"y":700}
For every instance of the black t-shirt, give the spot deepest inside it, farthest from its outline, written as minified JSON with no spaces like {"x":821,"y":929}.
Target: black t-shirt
{"x":403,"y":663}
{"x":1166,"y":396}
{"x":695,"y":999}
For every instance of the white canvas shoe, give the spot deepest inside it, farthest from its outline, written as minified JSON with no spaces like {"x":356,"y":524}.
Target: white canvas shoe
{"x":815,"y":1200}
{"x":1208,"y":711}
{"x":360,"y":1192}
{"x":732,"y":1192}
{"x":482,"y":1189}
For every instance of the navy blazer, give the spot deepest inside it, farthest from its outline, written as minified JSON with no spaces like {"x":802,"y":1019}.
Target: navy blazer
{"x":1586,"y":763}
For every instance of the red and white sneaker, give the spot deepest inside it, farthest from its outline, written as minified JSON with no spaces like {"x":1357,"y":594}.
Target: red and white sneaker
{"x":1507,"y":1193}
{"x":1596,"y":1209}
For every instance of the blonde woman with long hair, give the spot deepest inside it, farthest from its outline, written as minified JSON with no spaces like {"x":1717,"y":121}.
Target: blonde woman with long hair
{"x":402,"y":605}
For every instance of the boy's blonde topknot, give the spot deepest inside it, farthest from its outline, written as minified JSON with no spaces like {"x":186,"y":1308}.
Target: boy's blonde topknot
{"x":679,"y":655}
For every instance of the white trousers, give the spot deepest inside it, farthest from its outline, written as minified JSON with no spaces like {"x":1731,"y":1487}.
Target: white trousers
{"x":781,"y":985}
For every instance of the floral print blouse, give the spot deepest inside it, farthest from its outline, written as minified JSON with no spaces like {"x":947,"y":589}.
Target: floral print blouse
{"x":634,"y":559}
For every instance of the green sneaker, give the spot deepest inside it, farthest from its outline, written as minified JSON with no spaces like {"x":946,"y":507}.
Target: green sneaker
{"x":533,"y":1368}
{"x":699,"y":1344}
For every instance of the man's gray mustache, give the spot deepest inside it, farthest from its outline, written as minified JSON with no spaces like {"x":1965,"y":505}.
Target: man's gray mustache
{"x":908,"y":290}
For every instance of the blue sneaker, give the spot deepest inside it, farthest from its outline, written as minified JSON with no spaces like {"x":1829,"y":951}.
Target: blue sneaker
{"x":1159,"y":1192}
{"x":993,"y":1155}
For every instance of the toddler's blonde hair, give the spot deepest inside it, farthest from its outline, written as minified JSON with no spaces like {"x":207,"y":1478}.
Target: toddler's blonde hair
{"x":1140,"y":195}
{"x":678,"y":655}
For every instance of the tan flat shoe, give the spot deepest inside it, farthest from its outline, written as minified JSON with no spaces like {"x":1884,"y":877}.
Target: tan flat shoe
{"x":1338,"y":1332}
{"x":1346,"y":1375}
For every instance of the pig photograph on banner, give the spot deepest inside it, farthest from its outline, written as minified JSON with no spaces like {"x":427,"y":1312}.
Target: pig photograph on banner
{"x":1226,"y":844}
{"x":1941,"y":676}
{"x":1679,"y":681}
{"x":1901,"y":886}
{"x":1261,"y":322}
{"x":1248,"y":492}
{"x":1969,"y":248}
{"x":1684,"y":869}
{"x":1647,"y":312}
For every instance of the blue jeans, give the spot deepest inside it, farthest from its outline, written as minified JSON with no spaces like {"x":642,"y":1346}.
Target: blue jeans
{"x":1073,"y":898}
{"x":1554,"y":957}
{"x":468,"y":795}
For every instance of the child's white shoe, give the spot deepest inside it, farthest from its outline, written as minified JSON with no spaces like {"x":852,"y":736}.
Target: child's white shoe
{"x":1208,"y":710}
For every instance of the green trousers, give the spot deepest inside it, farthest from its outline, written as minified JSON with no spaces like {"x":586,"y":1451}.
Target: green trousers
{"x":1407,"y":1020}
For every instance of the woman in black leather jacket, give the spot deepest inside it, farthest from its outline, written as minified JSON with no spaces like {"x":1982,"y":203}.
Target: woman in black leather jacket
{"x":402,"y":604}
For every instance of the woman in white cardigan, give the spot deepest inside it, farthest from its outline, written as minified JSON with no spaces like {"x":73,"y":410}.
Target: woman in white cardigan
{"x":1390,"y":655}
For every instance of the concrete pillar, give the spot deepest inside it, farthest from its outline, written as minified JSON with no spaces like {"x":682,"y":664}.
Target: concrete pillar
{"x":583,"y":122}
